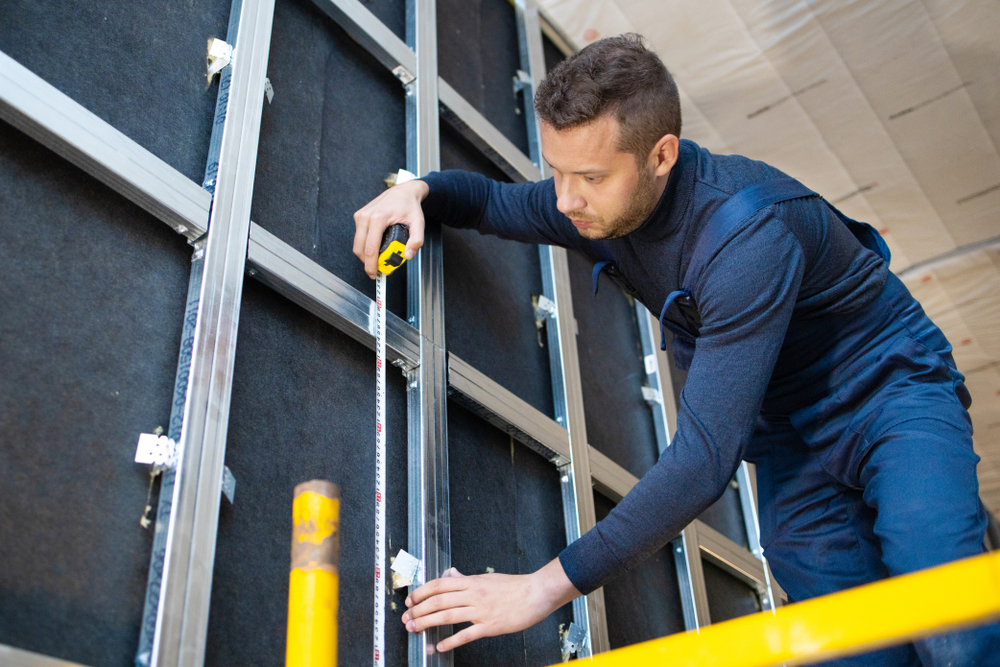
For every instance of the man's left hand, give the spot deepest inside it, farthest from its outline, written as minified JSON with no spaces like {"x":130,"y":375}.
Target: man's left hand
{"x":495,"y":604}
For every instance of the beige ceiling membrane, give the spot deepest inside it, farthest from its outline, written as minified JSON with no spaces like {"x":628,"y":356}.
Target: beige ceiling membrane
{"x":889,"y":108}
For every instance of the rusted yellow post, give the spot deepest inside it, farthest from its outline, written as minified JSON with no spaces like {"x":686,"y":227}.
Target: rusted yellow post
{"x":312,"y":593}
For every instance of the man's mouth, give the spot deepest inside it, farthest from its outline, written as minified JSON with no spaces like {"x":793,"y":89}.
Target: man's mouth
{"x":581,"y":224}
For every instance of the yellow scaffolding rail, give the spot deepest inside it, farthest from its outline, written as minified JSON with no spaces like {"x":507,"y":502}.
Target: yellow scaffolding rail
{"x":961,"y":594}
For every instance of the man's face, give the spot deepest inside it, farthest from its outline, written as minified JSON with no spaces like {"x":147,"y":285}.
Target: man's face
{"x":600,"y":189}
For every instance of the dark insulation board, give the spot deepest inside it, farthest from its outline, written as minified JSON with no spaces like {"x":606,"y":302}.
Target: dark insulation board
{"x":488,"y":285}
{"x":643,"y":603}
{"x":335,"y":128}
{"x":302,"y":408}
{"x":728,"y":597}
{"x":506,"y":514}
{"x":139,"y":66}
{"x":619,"y":421}
{"x":92,"y":298}
{"x":478,"y":55}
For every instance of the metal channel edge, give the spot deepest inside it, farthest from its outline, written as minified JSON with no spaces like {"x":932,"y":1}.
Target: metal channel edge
{"x":182,"y":618}
{"x":38,"y":109}
{"x":504,"y":410}
{"x":304,"y":282}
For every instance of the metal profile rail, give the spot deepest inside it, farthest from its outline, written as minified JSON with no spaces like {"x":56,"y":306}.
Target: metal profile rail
{"x":301,"y":280}
{"x":38,"y":109}
{"x":512,"y":415}
{"x":578,"y":496}
{"x":893,"y":611}
{"x":15,"y":657}
{"x":394,"y":54}
{"x":182,"y":617}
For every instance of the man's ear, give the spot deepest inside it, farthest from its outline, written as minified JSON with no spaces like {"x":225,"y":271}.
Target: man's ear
{"x":664,"y":154}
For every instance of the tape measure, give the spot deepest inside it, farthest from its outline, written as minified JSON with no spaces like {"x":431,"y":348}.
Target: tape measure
{"x":390,"y":258}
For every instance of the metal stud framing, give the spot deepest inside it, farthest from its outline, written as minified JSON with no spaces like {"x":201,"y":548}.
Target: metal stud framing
{"x":234,"y":244}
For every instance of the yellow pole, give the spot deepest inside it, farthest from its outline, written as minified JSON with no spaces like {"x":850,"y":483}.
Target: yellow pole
{"x":312,"y":592}
{"x":893,"y":611}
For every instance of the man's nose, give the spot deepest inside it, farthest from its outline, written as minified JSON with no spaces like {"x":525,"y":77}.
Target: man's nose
{"x":567,"y":200}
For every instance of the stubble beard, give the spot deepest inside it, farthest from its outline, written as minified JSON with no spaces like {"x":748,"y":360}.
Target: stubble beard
{"x":641,"y":202}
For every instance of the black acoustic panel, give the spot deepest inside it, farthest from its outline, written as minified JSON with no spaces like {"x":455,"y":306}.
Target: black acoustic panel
{"x":335,"y":128}
{"x":726,"y":516}
{"x":506,"y":514}
{"x":728,"y":597}
{"x":643,"y":603}
{"x":478,"y":54}
{"x":553,"y":56}
{"x":140,"y":67}
{"x":93,"y":295}
{"x":619,"y":421}
{"x":390,"y":12}
{"x":489,"y":282}
{"x":303,"y":407}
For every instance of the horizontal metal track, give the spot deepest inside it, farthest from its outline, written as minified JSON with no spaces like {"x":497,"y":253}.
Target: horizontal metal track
{"x":485,"y":136}
{"x":293,"y":275}
{"x":371,"y":33}
{"x":507,"y":412}
{"x":722,"y":551}
{"x":15,"y":657}
{"x":393,"y":52}
{"x":39,"y":110}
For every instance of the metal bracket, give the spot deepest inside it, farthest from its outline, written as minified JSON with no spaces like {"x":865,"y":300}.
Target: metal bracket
{"x":651,"y":364}
{"x":268,"y":90}
{"x":404,"y":75}
{"x":651,"y":395}
{"x":228,"y":485}
{"x":575,"y":639}
{"x":220,"y":54}
{"x":522,"y":81}
{"x":159,"y":451}
{"x":544,"y":309}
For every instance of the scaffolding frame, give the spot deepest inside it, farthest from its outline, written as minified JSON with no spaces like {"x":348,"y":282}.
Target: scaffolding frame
{"x":215,"y":218}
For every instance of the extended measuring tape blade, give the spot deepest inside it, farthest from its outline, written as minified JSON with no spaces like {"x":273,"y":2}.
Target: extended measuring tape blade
{"x":379,"y":469}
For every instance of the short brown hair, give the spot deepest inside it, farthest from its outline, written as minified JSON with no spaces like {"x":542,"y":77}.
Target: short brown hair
{"x":615,"y":75}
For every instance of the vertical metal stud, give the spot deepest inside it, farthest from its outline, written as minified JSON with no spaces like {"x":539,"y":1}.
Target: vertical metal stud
{"x":687,"y":556}
{"x":182,"y":615}
{"x":746,"y":479}
{"x":578,"y":494}
{"x":429,"y":512}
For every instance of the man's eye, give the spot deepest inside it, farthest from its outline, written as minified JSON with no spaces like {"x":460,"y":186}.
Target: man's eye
{"x":593,"y":179}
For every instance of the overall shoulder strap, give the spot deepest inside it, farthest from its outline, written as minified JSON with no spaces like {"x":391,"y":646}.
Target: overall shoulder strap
{"x":738,"y":208}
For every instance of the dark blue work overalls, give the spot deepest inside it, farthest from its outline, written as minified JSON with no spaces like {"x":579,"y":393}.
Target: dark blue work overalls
{"x":878,"y":477}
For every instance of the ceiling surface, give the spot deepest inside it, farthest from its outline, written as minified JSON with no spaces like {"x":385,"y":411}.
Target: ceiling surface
{"x":888,"y":108}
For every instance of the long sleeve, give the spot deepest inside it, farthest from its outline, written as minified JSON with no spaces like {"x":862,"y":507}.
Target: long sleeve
{"x":746,"y":297}
{"x":522,"y":212}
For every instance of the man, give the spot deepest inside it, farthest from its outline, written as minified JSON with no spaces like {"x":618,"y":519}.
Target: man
{"x":809,"y":358}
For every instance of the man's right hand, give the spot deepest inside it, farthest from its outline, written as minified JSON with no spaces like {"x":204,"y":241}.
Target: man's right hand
{"x":399,"y":204}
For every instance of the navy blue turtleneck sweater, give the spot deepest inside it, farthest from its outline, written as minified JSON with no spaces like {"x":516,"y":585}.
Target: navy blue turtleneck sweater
{"x":787,"y":303}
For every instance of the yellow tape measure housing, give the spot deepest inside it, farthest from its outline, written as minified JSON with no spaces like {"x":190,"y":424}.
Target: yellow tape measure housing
{"x":390,"y":254}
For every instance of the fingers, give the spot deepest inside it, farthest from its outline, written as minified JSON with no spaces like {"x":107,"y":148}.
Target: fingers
{"x":452,"y":572}
{"x":415,"y":243}
{"x":437,"y":587}
{"x":465,"y":636}
{"x":400,"y":204}
{"x":449,"y":616}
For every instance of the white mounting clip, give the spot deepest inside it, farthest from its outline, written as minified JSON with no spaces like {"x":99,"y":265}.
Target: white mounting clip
{"x":651,"y":396}
{"x":575,"y":639}
{"x":404,"y":569}
{"x":220,"y":54}
{"x":268,"y":90}
{"x":522,"y":81}
{"x":650,"y":361}
{"x":404,"y":75}
{"x":544,"y":309}
{"x":159,"y":451}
